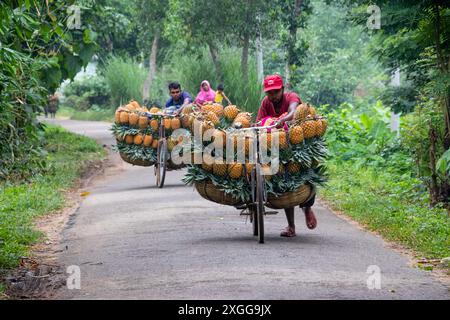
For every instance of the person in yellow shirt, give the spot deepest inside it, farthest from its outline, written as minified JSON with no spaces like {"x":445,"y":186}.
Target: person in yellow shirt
{"x":220,"y":95}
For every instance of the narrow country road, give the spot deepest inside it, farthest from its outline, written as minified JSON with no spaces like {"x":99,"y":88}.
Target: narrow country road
{"x":132,"y":240}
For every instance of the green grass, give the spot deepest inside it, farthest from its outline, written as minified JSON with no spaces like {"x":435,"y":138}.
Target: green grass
{"x":390,"y":205}
{"x":89,"y":115}
{"x":22,"y":202}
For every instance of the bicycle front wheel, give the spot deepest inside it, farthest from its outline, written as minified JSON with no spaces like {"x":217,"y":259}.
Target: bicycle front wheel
{"x":161,"y":163}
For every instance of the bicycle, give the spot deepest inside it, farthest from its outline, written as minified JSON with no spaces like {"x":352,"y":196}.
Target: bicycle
{"x":256,"y":208}
{"x":161,"y":151}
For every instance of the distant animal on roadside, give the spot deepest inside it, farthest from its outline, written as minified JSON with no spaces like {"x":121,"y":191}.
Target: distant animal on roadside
{"x":52,"y":106}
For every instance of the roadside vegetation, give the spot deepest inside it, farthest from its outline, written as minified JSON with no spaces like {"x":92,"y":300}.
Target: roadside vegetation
{"x":21,"y":201}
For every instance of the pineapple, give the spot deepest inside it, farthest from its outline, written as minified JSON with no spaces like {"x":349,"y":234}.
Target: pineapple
{"x":211,"y":116}
{"x":294,"y":167}
{"x":235,"y":170}
{"x":133,"y":119}
{"x":148,"y":139}
{"x":309,"y":128}
{"x":312,"y":111}
{"x":143,"y":122}
{"x":318,"y":128}
{"x":230,"y":112}
{"x":207,"y":163}
{"x":154,"y":110}
{"x":154,"y":124}
{"x":242,"y":119}
{"x":266,"y":136}
{"x":167,"y":123}
{"x":296,"y":135}
{"x":217,"y":136}
{"x":218,"y":109}
{"x":129,"y":139}
{"x":185,"y":121}
{"x":220,"y":169}
{"x":266,"y":171}
{"x":282,"y":140}
{"x":155,"y":144}
{"x":187,"y":109}
{"x":323,"y":128}
{"x":135,"y":104}
{"x":170,"y":144}
{"x":175,"y":123}
{"x":124,"y":117}
{"x":117,"y":116}
{"x":301,"y":112}
{"x":138,"y":139}
{"x":249,"y":167}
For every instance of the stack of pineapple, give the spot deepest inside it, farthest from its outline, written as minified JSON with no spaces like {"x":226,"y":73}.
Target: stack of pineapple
{"x":137,"y":135}
{"x":301,"y":153}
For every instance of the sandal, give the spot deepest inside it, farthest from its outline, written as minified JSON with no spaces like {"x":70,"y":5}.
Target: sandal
{"x":288,"y":232}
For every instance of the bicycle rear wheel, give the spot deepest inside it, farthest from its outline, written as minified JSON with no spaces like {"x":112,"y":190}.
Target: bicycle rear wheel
{"x":161,"y":163}
{"x":260,"y":202}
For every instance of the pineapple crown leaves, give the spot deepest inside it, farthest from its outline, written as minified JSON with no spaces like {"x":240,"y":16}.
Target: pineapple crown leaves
{"x":136,"y":152}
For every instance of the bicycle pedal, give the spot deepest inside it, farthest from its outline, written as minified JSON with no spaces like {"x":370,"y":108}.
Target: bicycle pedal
{"x":271,"y":212}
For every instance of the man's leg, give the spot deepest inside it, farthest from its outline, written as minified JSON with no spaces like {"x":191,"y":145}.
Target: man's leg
{"x":289,"y":231}
{"x":311,"y":221}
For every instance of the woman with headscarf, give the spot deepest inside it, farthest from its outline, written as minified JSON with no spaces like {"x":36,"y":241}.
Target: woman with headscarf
{"x":206,"y":94}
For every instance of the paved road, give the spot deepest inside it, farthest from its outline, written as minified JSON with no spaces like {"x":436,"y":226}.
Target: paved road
{"x":134,"y":241}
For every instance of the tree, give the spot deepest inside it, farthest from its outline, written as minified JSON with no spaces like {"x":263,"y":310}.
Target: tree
{"x":415,"y":36}
{"x":38,"y":49}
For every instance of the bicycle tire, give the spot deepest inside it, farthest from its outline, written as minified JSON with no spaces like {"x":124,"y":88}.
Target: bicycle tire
{"x":161,"y":163}
{"x":260,"y":202}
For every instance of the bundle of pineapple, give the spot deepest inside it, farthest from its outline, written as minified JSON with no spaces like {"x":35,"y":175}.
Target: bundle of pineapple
{"x":299,"y":157}
{"x":137,"y":135}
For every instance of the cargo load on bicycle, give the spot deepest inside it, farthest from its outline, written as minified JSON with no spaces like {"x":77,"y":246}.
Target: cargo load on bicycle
{"x":298,"y":166}
{"x":137,"y":134}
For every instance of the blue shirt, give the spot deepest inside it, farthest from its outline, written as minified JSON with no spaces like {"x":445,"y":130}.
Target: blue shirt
{"x":180,"y":102}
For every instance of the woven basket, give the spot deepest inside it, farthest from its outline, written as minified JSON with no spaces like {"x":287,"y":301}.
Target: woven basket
{"x":137,"y":162}
{"x":173,"y":166}
{"x":291,"y":199}
{"x":210,"y":192}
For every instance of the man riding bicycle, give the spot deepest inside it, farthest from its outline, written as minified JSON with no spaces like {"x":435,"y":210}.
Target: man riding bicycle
{"x":178,"y":99}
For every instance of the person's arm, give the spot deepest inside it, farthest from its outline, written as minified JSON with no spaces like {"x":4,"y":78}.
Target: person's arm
{"x":261,"y":112}
{"x":294,"y":101}
{"x":226,"y":98}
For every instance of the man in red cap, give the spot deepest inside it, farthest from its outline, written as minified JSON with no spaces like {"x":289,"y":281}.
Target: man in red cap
{"x":282,"y":105}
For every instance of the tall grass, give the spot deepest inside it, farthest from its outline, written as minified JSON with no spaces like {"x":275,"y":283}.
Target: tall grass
{"x":125,"y":79}
{"x":191,"y":70}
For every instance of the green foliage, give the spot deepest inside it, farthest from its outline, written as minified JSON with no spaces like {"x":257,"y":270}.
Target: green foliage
{"x":392,"y":206}
{"x":37,"y":52}
{"x":191,"y":70}
{"x":67,"y":155}
{"x":124,"y":78}
{"x":337,"y":66}
{"x":85,"y":93}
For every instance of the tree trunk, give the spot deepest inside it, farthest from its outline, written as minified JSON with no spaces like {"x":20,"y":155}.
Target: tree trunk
{"x":259,"y":59}
{"x":152,"y":69}
{"x":244,"y":58}
{"x":434,"y":188}
{"x":293,"y":26}
{"x":215,"y":58}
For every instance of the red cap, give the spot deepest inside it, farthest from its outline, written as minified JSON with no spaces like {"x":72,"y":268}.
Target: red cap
{"x":273,"y":82}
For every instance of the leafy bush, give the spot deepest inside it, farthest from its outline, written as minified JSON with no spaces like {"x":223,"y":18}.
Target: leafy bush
{"x":82,"y":94}
{"x":125,"y":79}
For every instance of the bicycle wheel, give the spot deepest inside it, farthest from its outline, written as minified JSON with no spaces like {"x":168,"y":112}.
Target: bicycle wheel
{"x":161,"y":163}
{"x":260,"y":202}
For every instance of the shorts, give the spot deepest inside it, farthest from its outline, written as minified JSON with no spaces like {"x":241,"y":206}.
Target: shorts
{"x":309,"y":203}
